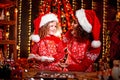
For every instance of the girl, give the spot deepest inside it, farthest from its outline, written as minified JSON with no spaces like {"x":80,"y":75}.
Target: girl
{"x":49,"y":50}
{"x":83,"y":45}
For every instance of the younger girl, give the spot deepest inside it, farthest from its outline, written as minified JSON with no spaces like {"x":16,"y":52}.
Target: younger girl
{"x":49,"y":50}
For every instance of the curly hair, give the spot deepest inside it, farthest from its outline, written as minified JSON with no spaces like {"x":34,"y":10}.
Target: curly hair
{"x":43,"y":31}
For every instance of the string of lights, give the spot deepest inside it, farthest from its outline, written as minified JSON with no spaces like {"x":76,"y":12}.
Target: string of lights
{"x":74,"y":3}
{"x":118,"y":10}
{"x":82,"y":4}
{"x":104,"y":27}
{"x":7,"y":34}
{"x":93,"y":5}
{"x":19,"y":27}
{"x":29,"y":24}
{"x":14,"y":55}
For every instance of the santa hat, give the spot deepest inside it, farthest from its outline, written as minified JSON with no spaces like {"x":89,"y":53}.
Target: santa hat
{"x":90,"y":23}
{"x":39,"y":22}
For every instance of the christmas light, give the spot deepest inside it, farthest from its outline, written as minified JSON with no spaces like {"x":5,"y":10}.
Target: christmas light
{"x":29,"y":24}
{"x":93,"y":5}
{"x":82,"y":5}
{"x":7,"y":34}
{"x":104,"y":28}
{"x":19,"y":27}
{"x":118,"y":10}
{"x":16,"y":10}
{"x":74,"y":6}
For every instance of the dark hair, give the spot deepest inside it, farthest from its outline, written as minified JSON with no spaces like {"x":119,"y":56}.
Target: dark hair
{"x":80,"y":33}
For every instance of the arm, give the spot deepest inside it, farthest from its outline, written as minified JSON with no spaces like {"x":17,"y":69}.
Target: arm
{"x":34,"y":50}
{"x":89,"y":59}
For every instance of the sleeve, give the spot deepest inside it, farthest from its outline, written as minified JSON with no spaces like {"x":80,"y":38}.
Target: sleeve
{"x":78,"y":51}
{"x":68,"y":35}
{"x":34,"y":48}
{"x":60,"y":52}
{"x":89,"y":59}
{"x":34,"y":51}
{"x":43,"y":51}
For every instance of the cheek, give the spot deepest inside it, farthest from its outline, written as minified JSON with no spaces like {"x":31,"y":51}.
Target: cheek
{"x":52,"y":29}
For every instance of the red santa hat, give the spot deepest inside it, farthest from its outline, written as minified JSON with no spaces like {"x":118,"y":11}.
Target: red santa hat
{"x":90,"y":23}
{"x":39,"y":22}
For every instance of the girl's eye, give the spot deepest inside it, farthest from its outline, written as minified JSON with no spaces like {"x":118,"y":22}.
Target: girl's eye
{"x":51,"y":26}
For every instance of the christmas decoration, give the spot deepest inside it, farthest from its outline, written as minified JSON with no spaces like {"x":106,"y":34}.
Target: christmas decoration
{"x":90,"y":23}
{"x":62,"y":8}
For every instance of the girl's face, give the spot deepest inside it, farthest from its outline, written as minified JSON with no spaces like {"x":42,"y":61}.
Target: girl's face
{"x":52,"y":28}
{"x":74,"y":24}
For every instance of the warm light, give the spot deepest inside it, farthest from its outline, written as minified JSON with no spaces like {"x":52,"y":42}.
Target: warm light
{"x":18,"y":47}
{"x":82,"y":5}
{"x":29,"y":24}
{"x":16,"y":10}
{"x":7,"y":35}
{"x":19,"y":26}
{"x":104,"y":29}
{"x":118,"y":15}
{"x":7,"y":13}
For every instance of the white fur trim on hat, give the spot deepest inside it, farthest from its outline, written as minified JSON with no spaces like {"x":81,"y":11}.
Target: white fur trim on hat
{"x":31,"y":56}
{"x":47,"y":18}
{"x":35,"y":38}
{"x":96,"y":43}
{"x":35,"y":56}
{"x":80,"y":14}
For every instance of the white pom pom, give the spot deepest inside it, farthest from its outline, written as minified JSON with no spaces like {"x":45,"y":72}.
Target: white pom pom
{"x":35,"y":38}
{"x":96,"y":43}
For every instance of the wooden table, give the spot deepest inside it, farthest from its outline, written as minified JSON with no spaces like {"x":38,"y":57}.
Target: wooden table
{"x":52,"y":75}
